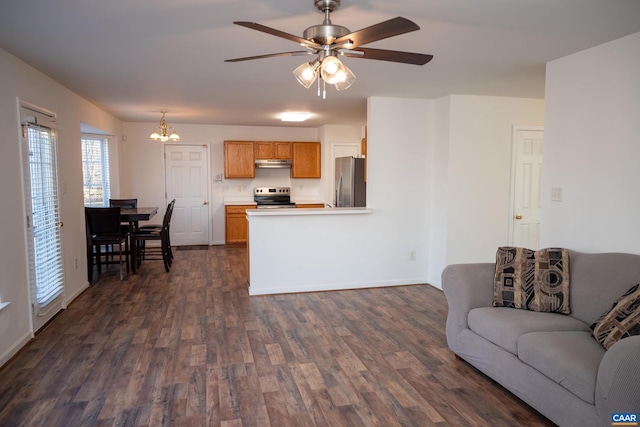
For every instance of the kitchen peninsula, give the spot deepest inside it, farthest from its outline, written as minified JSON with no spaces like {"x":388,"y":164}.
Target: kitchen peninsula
{"x":303,"y":250}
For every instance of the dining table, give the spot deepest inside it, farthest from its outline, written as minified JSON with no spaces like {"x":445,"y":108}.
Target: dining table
{"x":133,"y":215}
{"x":130,"y":215}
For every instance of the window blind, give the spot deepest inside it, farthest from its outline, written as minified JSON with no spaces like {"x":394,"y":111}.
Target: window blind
{"x":44,"y":234}
{"x":95,"y":171}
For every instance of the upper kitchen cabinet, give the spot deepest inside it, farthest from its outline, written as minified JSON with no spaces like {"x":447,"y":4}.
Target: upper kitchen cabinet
{"x":305,"y":161}
{"x":273,"y":150}
{"x":239,"y":159}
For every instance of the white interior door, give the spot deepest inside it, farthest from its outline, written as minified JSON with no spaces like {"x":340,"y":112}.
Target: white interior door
{"x":187,"y":181}
{"x":526,"y":184}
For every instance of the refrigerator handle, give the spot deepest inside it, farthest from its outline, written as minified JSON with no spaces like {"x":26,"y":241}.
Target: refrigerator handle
{"x":339,"y":192}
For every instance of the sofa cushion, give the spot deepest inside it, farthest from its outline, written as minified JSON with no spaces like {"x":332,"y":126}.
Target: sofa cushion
{"x":532,"y":280}
{"x":622,"y":320}
{"x":503,"y":326}
{"x":570,"y":358}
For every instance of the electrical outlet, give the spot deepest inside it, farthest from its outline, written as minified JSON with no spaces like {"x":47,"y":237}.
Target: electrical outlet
{"x":75,"y":263}
{"x":556,"y":194}
{"x":412,"y":255}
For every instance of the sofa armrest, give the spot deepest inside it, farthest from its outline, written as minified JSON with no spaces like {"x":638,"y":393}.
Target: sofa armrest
{"x":466,"y":286}
{"x":618,"y":381}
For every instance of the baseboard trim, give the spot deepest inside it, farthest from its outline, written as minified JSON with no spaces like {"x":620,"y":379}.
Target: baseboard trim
{"x":70,"y":299}
{"x":15,"y":348}
{"x":331,"y":287}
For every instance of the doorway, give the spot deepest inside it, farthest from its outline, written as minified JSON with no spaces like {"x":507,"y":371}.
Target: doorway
{"x":187,"y":181}
{"x":42,"y":207}
{"x":340,"y":149}
{"x":526,"y":197}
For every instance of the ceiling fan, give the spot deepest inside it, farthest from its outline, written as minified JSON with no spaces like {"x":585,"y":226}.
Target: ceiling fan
{"x":327,"y":41}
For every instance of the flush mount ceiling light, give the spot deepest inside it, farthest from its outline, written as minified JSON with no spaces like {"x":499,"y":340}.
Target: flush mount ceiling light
{"x":293,"y":116}
{"x":164,"y":133}
{"x":327,"y":41}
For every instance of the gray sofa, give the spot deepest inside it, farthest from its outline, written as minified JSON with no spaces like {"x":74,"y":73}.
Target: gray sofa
{"x":551,"y":361}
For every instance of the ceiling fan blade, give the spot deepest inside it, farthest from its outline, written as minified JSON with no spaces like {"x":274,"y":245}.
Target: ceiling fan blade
{"x":277,"y":33}
{"x":389,"y":55}
{"x":383,"y":30}
{"x":271,"y":55}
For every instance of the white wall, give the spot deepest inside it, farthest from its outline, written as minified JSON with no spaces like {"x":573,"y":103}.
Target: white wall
{"x":22,"y":81}
{"x":471,"y":162}
{"x":592,"y":149}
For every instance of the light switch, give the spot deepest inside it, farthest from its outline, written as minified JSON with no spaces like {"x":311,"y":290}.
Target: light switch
{"x":556,"y":194}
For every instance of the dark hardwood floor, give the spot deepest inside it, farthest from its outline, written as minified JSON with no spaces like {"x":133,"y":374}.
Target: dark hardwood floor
{"x":191,"y":348}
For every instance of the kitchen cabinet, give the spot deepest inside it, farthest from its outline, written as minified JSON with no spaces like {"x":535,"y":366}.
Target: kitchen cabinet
{"x":239,"y":159}
{"x":235,"y":221}
{"x":305,"y":162}
{"x":273,"y":150}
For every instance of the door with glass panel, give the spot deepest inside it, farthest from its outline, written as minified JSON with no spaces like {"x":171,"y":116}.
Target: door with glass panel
{"x":42,"y":207}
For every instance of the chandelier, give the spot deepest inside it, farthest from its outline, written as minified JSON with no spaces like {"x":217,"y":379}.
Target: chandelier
{"x":329,"y":68}
{"x":163,"y":133}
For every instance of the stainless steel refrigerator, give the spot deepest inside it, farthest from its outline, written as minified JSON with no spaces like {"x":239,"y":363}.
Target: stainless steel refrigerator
{"x":350,"y":183}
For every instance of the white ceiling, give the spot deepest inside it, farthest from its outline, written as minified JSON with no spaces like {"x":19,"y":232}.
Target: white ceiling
{"x":135,"y":58}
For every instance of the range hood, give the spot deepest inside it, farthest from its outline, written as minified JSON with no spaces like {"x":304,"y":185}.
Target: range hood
{"x":273,"y":163}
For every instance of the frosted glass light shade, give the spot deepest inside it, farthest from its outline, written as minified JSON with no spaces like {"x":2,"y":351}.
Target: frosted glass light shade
{"x":346,"y":79}
{"x":306,"y":74}
{"x":332,"y":70}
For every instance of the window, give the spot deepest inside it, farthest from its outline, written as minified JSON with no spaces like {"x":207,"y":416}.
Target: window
{"x":95,"y":171}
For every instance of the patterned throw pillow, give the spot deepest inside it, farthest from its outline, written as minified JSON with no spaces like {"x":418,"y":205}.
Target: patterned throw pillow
{"x":532,"y":280}
{"x":621,"y":321}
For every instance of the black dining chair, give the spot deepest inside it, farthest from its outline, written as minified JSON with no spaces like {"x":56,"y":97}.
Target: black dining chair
{"x":127,"y":204}
{"x":143,"y":252}
{"x":123,"y":203}
{"x":104,"y":230}
{"x":158,"y":227}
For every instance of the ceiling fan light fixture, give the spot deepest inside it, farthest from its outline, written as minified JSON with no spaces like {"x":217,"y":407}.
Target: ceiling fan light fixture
{"x":330,"y":69}
{"x":346,"y":79}
{"x":307,"y":73}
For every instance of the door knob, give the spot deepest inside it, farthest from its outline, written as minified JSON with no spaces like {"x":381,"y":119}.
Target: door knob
{"x":205,"y":203}
{"x":518,"y":216}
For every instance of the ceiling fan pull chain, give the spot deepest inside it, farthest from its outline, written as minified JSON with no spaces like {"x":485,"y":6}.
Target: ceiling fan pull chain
{"x":324,"y":89}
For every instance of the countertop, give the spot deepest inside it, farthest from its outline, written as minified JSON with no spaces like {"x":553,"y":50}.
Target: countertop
{"x":237,"y":203}
{"x":247,"y":201}
{"x":308,"y":211}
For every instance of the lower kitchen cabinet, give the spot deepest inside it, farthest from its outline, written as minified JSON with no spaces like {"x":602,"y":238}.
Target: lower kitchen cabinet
{"x":236,"y":223}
